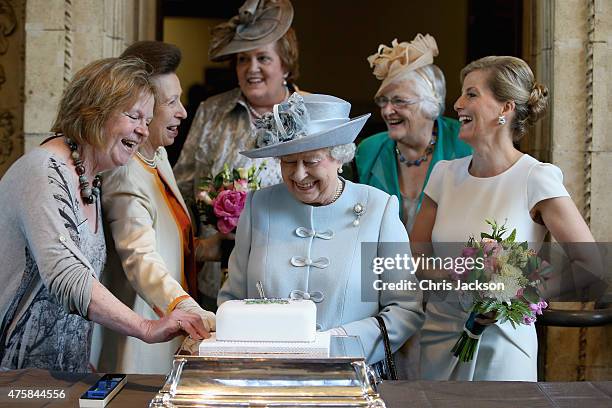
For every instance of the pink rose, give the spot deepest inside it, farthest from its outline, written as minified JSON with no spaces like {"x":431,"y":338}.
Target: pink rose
{"x":490,"y":264}
{"x":491,"y":247}
{"x":227,"y":207}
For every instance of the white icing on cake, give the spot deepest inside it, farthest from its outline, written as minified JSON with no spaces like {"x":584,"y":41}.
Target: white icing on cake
{"x":275,"y":320}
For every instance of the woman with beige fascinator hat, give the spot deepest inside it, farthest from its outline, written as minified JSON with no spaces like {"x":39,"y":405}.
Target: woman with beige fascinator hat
{"x":263,"y":48}
{"x":411,"y":100}
{"x":313,"y":248}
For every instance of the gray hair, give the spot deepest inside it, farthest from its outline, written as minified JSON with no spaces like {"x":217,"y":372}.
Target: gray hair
{"x":432,"y":99}
{"x":343,"y":153}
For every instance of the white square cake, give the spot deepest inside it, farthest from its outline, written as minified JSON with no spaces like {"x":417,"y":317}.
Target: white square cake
{"x":278,"y":327}
{"x":267,"y":320}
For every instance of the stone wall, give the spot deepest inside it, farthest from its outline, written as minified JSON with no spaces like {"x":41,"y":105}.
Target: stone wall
{"x":61,"y":37}
{"x":12,"y":31}
{"x":570,"y":52}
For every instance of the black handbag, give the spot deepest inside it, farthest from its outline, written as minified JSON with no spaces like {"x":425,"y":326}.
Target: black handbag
{"x":386,"y":367}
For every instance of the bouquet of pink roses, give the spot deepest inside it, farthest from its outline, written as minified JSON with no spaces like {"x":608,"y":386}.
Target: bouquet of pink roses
{"x":512,"y":273}
{"x":221,"y":198}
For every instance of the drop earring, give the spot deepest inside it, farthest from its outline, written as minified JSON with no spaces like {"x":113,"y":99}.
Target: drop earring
{"x":340,"y":170}
{"x":501,"y":120}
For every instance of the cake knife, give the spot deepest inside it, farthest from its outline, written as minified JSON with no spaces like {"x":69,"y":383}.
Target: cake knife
{"x":260,"y":289}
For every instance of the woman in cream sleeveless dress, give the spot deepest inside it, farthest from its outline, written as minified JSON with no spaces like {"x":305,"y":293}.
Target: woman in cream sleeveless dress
{"x":498,"y":182}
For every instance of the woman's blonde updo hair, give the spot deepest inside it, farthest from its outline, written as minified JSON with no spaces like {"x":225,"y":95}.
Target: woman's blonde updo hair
{"x":511,"y":79}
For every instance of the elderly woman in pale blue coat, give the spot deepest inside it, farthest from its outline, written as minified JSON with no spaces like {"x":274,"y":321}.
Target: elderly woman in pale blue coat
{"x":303,"y":238}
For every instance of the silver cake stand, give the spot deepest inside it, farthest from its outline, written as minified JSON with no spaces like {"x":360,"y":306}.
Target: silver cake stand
{"x":342,"y":380}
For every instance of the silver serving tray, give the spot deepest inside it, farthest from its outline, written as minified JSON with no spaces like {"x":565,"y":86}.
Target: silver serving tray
{"x":344,"y":379}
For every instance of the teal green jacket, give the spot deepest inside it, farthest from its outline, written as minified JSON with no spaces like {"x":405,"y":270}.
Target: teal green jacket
{"x":377,"y":165}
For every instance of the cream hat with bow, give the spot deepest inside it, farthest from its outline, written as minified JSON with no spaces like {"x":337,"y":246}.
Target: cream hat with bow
{"x":391,"y":64}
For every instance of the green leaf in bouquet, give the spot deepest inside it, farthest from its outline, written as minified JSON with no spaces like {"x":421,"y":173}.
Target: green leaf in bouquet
{"x":475,"y":275}
{"x":485,"y":235}
{"x":512,"y":236}
{"x":530,"y":294}
{"x":235,"y":175}
{"x":486,"y":305}
{"x":218,"y":181}
{"x":525,"y":245}
{"x":480,"y":253}
{"x":533,"y":264}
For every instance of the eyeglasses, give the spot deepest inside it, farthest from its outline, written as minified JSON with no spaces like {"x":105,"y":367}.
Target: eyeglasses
{"x":396,"y":102}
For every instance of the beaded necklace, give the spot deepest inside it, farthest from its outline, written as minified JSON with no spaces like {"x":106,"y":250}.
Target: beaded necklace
{"x":90,"y":195}
{"x":423,"y":158}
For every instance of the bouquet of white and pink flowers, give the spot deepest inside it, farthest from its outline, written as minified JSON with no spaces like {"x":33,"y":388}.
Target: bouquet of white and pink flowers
{"x":221,"y":198}
{"x":514,"y":273}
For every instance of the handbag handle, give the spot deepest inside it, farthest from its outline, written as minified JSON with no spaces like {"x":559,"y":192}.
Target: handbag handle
{"x":387,"y":344}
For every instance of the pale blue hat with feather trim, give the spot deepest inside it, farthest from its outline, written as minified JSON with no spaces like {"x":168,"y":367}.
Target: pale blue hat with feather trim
{"x":305,"y":123}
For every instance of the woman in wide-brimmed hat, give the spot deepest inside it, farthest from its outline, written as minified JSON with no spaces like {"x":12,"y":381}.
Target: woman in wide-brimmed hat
{"x":313,"y":247}
{"x":263,"y":48}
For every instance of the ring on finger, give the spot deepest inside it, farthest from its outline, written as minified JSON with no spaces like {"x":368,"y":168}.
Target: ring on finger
{"x":180,"y":324}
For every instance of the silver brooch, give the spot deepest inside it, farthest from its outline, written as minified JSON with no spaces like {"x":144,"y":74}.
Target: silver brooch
{"x":359,"y":210}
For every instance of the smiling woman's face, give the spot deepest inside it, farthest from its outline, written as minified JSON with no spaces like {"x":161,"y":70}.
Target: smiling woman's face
{"x":312,"y":177}
{"x":124,"y":132}
{"x":168,"y":112}
{"x":477,"y":108}
{"x":401,"y":112}
{"x":261,"y":75}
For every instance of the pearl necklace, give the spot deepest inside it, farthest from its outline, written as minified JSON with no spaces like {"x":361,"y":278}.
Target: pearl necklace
{"x":149,"y":162}
{"x":339,"y":190}
{"x":256,"y":115}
